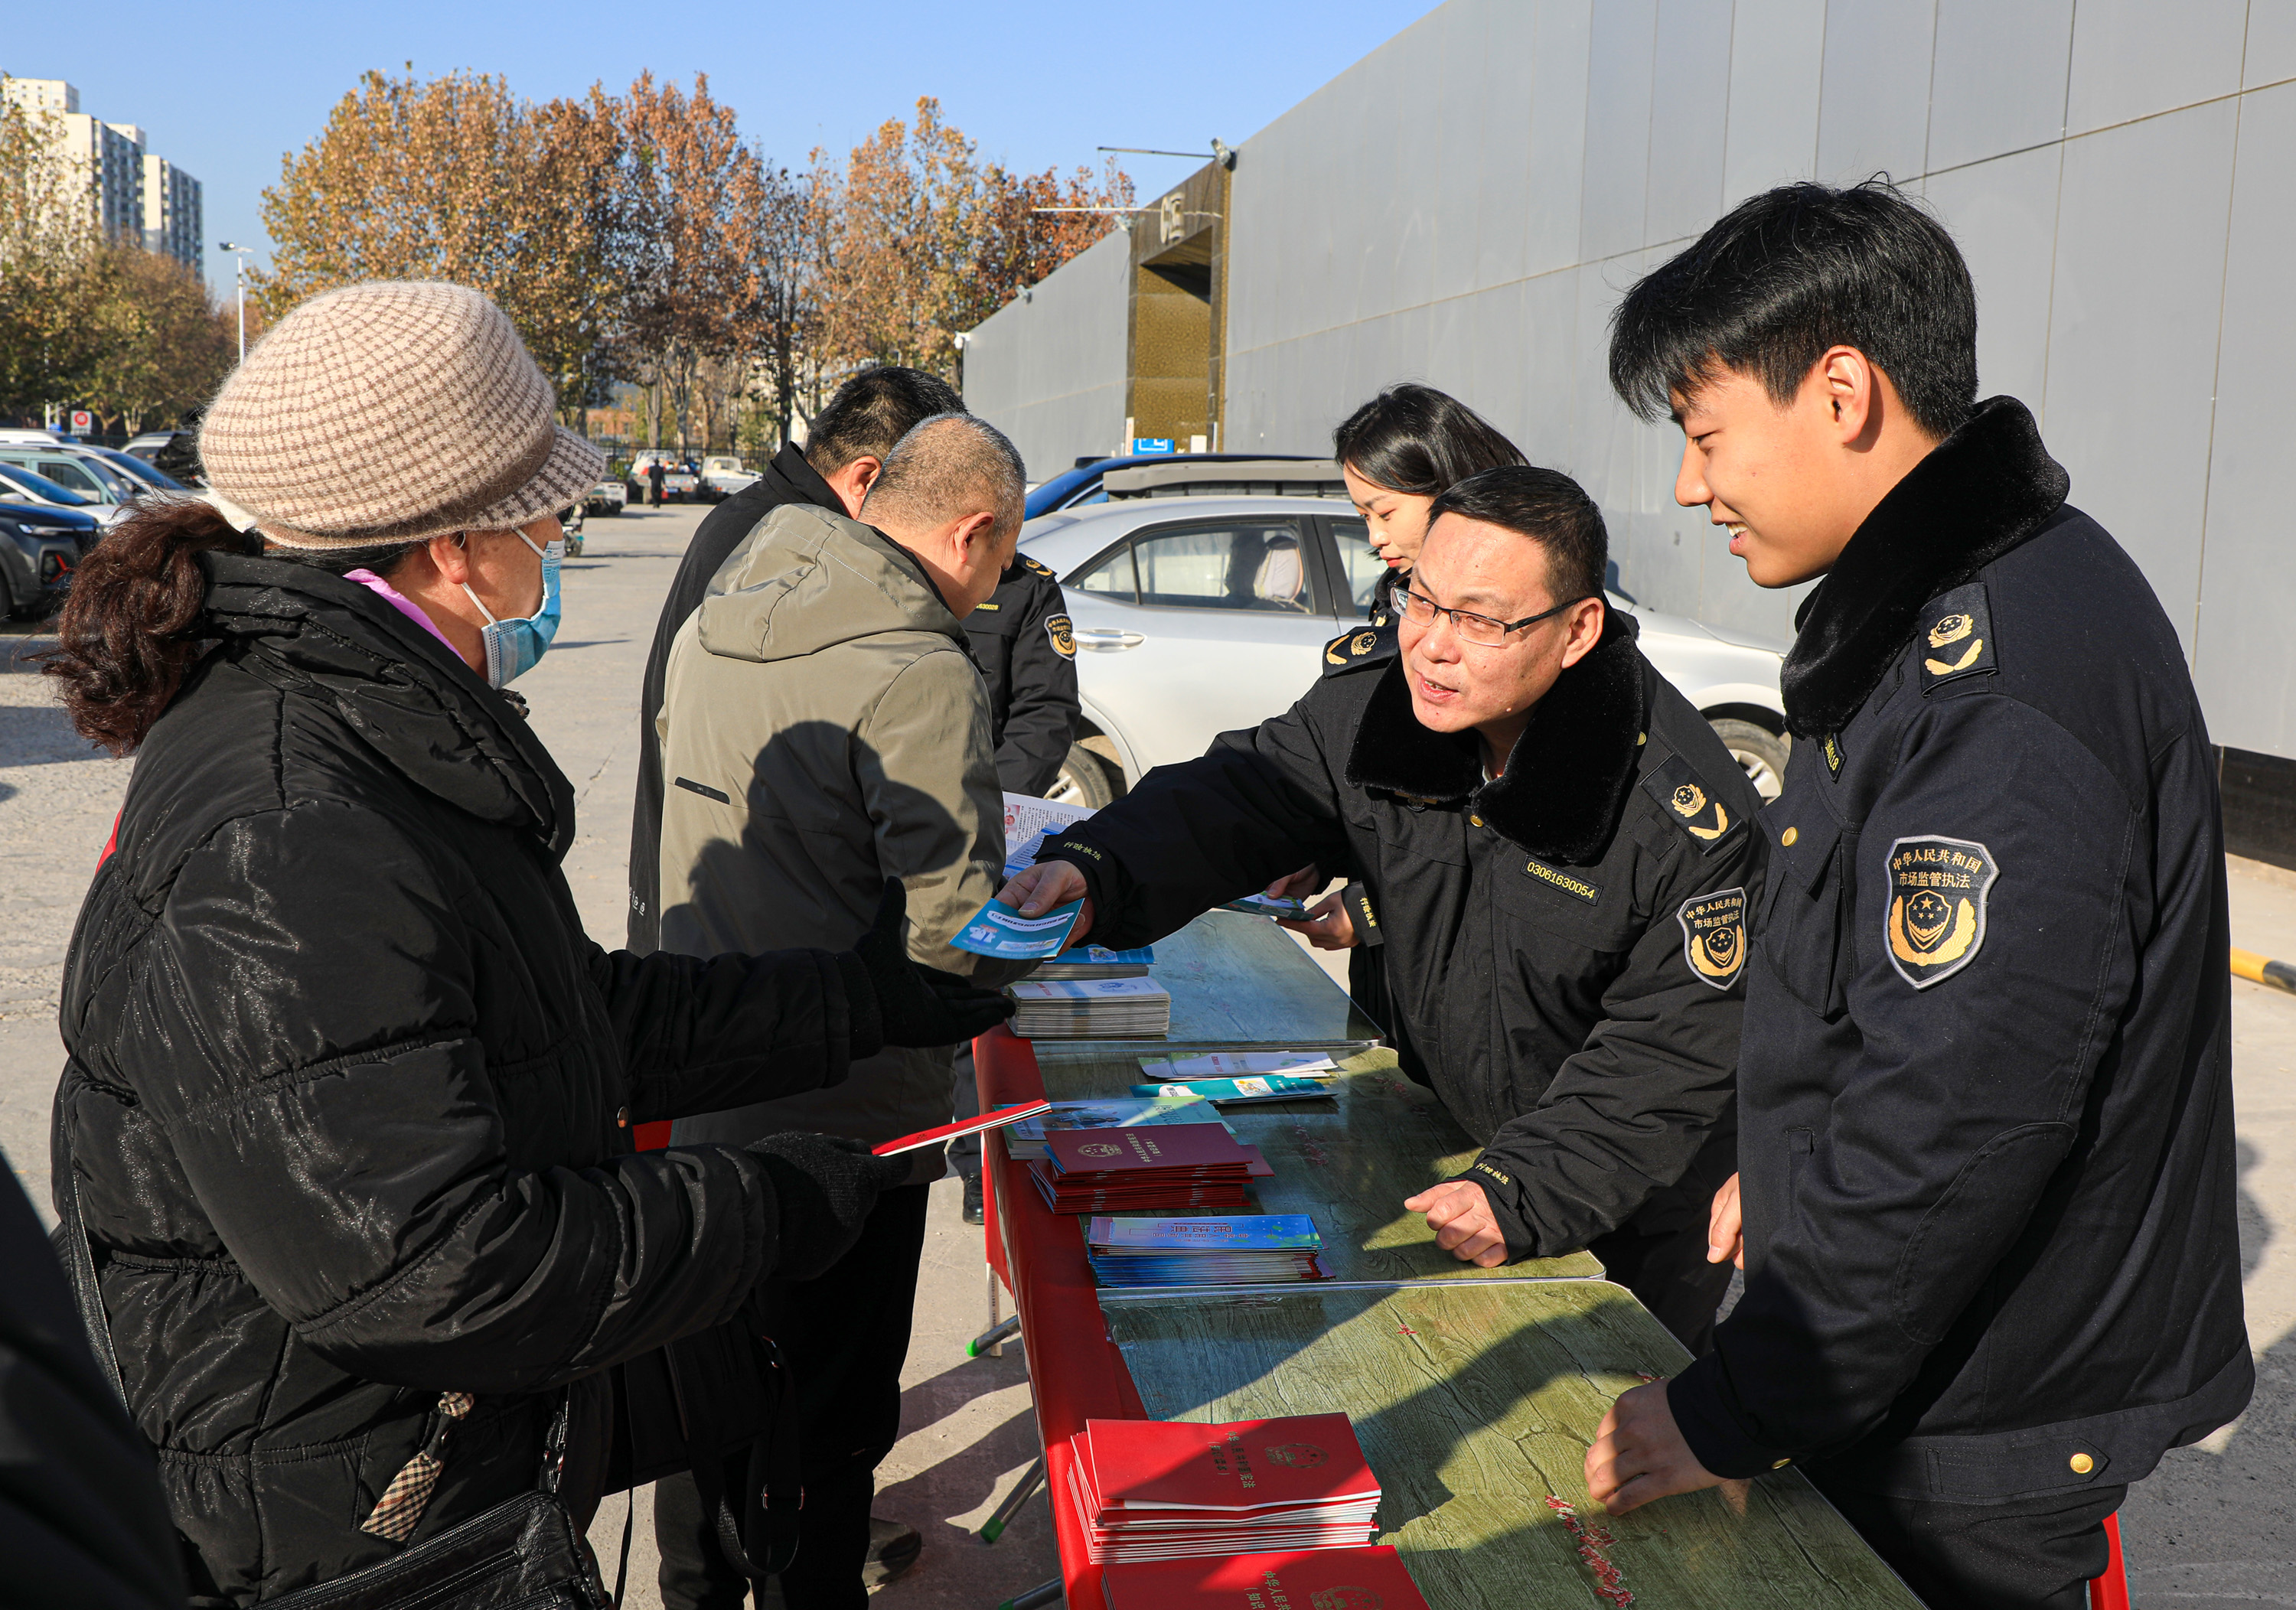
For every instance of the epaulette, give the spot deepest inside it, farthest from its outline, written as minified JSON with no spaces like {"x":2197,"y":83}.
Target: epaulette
{"x":1955,"y":636}
{"x":1038,"y":567}
{"x":1371,"y":645}
{"x":1681,"y":794}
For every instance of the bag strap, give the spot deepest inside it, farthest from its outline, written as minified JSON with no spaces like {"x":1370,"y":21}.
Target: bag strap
{"x":71,"y":1244}
{"x":771,"y":1490}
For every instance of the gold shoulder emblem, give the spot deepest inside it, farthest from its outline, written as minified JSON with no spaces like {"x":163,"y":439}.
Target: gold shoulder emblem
{"x":1035,"y":567}
{"x":1675,"y":786}
{"x":1363,"y":643}
{"x":1938,"y":890}
{"x":1332,"y":655}
{"x":1958,"y":640}
{"x":1714,"y":935}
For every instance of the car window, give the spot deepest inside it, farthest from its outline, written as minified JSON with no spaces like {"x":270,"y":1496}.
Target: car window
{"x":1112,"y":578}
{"x":40,"y":485}
{"x":65,"y":473}
{"x":1362,"y":568}
{"x":1229,"y":564}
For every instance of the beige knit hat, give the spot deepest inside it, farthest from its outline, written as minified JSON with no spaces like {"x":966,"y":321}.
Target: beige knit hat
{"x":390,"y":412}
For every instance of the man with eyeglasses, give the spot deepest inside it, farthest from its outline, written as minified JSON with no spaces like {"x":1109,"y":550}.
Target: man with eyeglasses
{"x":1557,"y":853}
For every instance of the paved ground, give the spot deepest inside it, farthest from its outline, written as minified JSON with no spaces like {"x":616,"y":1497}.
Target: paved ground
{"x":2212,"y":1531}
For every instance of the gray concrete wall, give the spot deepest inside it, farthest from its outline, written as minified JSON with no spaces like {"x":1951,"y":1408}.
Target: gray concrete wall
{"x":1049,"y":371}
{"x":1465,"y":204}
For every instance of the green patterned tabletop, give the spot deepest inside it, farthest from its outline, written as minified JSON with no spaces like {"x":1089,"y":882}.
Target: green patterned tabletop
{"x":1475,"y":1402}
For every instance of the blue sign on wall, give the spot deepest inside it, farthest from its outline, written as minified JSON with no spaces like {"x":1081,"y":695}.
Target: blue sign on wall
{"x":1142,"y":444}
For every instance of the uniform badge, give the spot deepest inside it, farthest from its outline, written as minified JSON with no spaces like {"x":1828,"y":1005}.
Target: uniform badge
{"x":1062,"y":632}
{"x":1937,"y":906}
{"x":1956,"y":636}
{"x":1332,"y":655}
{"x":1037,"y":567}
{"x":1363,"y":643}
{"x":1714,"y":935}
{"x":1831,"y":750}
{"x":1685,"y":801}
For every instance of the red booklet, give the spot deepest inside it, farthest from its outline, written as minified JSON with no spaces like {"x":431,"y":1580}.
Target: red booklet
{"x":1301,"y":1460}
{"x":1171,"y":1152}
{"x":1342,"y":1579}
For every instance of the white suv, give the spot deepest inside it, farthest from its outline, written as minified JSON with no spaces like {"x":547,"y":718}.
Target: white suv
{"x":1197,"y":616}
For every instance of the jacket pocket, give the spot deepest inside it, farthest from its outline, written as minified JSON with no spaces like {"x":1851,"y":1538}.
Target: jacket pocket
{"x":1801,"y":934}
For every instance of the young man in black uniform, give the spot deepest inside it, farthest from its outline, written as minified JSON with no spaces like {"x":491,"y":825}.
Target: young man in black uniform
{"x":1987,"y":1211}
{"x":1561,"y":855}
{"x":1025,"y":646}
{"x":845,"y":446}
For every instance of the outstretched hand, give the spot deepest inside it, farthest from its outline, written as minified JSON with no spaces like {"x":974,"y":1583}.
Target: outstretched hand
{"x":919,"y":1005}
{"x":1037,"y":889}
{"x":1461,"y":1217}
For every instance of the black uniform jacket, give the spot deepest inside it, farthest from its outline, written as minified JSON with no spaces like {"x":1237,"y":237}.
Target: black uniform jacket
{"x":788,"y":480}
{"x":1986,"y":1092}
{"x":1562,"y":946}
{"x":351,"y":1094}
{"x":1025,"y":646}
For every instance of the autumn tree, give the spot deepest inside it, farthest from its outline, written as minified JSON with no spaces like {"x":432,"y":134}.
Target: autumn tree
{"x":49,"y":336}
{"x":164,"y":347}
{"x":456,"y":178}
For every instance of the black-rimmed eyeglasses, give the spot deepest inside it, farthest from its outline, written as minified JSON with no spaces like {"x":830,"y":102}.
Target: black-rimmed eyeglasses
{"x":1480,"y":630}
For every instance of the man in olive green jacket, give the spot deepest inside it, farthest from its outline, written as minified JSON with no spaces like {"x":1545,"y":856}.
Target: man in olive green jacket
{"x":824,"y":729}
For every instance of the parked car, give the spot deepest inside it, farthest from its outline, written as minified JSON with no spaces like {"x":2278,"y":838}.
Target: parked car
{"x":1195,"y":617}
{"x":607,"y":497}
{"x":40,"y":546}
{"x":151,"y":476}
{"x":722,"y":476}
{"x":20,"y":436}
{"x":680,"y":483}
{"x":19,"y":484}
{"x":77,"y":470}
{"x":1075,"y":487}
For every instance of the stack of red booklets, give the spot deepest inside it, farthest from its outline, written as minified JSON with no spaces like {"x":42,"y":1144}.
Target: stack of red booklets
{"x":1159,"y":1490}
{"x":1341,"y":1578}
{"x":1162,"y":1169}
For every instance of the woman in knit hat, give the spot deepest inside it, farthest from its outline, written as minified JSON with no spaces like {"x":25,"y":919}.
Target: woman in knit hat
{"x":349,"y":1096}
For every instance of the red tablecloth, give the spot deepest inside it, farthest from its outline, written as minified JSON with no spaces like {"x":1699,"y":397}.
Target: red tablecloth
{"x":1075,"y":1371}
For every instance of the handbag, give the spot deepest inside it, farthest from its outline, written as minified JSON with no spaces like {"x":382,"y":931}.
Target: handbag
{"x":527,"y":1553}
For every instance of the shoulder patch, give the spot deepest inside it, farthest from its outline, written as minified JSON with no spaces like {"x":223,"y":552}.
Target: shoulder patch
{"x":1956,"y":636}
{"x":1038,"y":567}
{"x":1062,"y":632}
{"x":1937,"y":906}
{"x":1714,"y":935}
{"x":1363,"y":645}
{"x":1831,"y":750}
{"x":1689,"y":806}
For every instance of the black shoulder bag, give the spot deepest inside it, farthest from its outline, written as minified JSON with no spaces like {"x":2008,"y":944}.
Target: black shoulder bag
{"x":527,"y":1552}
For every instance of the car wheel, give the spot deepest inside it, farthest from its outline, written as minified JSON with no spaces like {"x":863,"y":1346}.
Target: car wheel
{"x":1760,"y":751}
{"x":1083,"y":780}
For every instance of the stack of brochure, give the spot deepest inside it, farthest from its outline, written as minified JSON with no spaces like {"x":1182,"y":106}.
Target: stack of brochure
{"x":1026,"y":1138}
{"x":1342,"y":1579}
{"x":1244,"y":1249}
{"x":1098,"y":961}
{"x":1156,"y":1490}
{"x":1185,"y":1168}
{"x":1091,"y":1008}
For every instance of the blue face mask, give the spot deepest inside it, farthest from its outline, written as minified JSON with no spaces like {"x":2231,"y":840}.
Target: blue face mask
{"x":515,"y":647}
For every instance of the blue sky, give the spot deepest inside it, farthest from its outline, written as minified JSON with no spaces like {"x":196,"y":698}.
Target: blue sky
{"x":226,"y":90}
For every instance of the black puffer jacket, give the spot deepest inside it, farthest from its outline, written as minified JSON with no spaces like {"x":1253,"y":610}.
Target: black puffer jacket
{"x":350,"y":1093}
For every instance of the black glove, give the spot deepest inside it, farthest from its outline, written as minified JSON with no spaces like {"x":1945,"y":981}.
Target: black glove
{"x":824,"y":1186}
{"x":915,"y":1004}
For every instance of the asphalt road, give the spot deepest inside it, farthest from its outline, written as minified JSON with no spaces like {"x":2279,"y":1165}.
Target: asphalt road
{"x":2213,"y":1530}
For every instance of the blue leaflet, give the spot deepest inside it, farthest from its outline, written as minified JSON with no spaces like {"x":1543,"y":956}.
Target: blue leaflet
{"x":1266,"y":1087}
{"x":1223,"y":1233}
{"x":1000,"y":931}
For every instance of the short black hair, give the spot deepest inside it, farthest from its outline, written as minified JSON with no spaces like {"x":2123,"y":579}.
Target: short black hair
{"x":1550,"y":509}
{"x":1417,"y":439}
{"x":1791,"y":273}
{"x":871,"y":411}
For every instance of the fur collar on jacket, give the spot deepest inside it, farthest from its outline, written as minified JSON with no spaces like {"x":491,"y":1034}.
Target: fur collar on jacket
{"x":1567,"y":779}
{"x":1983,"y":490}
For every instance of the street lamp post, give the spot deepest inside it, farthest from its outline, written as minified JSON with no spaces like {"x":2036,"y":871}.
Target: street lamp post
{"x":240,"y":252}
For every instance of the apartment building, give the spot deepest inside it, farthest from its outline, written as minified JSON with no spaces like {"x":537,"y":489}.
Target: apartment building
{"x":130,"y":193}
